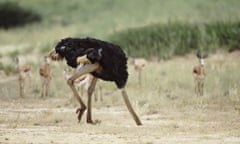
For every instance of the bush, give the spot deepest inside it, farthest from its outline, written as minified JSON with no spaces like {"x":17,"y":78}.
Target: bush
{"x":12,"y":15}
{"x":166,"y":40}
{"x":8,"y":69}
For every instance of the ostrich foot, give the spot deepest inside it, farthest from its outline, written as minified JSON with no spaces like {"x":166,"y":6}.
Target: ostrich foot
{"x":90,"y":121}
{"x":80,"y":112}
{"x":94,"y":122}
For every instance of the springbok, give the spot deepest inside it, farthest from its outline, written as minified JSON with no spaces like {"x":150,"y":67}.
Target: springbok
{"x":46,"y":76}
{"x":199,"y":74}
{"x":139,"y":64}
{"x":24,"y":72}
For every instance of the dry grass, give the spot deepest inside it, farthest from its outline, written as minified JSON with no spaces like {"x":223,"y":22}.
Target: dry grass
{"x":164,"y":82}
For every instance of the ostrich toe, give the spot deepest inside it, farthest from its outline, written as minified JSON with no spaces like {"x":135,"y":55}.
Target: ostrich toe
{"x":80,"y":112}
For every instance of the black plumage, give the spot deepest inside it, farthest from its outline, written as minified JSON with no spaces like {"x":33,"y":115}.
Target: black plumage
{"x":110,"y":56}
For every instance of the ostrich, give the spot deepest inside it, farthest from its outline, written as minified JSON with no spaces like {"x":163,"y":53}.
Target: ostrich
{"x":199,"y":74}
{"x":45,"y":73}
{"x":139,"y":64}
{"x":24,"y":72}
{"x":102,"y":59}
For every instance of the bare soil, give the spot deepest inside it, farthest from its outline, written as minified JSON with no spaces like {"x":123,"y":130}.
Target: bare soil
{"x":53,"y":121}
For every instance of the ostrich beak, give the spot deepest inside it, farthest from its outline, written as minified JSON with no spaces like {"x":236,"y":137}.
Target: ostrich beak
{"x":83,"y":60}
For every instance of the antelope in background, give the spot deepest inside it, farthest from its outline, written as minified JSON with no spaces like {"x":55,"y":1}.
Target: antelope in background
{"x":139,"y":64}
{"x":199,"y":74}
{"x":24,"y":72}
{"x":83,"y":83}
{"x":46,"y":76}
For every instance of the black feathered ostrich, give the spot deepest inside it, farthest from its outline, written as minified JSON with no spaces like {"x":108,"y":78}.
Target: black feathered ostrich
{"x":102,"y":59}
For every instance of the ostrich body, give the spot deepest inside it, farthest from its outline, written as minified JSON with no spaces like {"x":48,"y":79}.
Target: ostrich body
{"x":102,"y":59}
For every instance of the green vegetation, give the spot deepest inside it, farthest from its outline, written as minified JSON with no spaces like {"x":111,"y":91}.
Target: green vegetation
{"x":106,"y":18}
{"x":166,"y":84}
{"x":166,"y":40}
{"x":12,"y":15}
{"x":7,"y":69}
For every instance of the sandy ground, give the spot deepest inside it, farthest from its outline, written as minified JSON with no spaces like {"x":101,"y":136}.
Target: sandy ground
{"x":51,"y":121}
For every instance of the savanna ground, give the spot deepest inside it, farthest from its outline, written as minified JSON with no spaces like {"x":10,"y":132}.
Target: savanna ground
{"x":166,"y":103}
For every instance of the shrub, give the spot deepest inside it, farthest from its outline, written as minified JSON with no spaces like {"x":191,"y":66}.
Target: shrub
{"x":12,"y":15}
{"x":166,"y":40}
{"x":8,"y":69}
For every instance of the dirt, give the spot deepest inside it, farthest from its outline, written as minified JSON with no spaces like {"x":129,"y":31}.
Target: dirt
{"x":51,"y":121}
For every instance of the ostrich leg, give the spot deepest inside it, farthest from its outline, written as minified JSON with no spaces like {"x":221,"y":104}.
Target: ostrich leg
{"x":129,"y":106}
{"x":89,"y":105}
{"x":80,"y":71}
